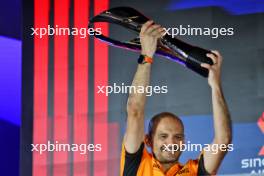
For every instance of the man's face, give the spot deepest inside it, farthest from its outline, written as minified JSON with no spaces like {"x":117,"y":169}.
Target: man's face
{"x":168,"y":131}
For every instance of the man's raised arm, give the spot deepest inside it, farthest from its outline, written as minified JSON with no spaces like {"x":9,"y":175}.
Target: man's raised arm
{"x":134,"y":135}
{"x":222,"y":121}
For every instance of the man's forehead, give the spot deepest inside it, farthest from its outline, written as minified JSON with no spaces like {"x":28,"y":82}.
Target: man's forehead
{"x":169,"y":125}
{"x":170,"y":121}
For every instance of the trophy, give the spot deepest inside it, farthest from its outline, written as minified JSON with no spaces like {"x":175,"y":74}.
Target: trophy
{"x":172,"y":48}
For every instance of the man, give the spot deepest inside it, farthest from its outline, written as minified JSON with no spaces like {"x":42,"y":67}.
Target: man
{"x":166,"y":129}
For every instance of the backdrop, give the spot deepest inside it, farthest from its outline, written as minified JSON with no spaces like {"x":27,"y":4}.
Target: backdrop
{"x":61,"y":75}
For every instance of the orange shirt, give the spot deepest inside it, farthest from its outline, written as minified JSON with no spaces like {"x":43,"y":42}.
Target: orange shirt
{"x":142,"y":163}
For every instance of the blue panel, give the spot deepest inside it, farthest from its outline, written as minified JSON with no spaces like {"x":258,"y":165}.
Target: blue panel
{"x":236,"y":7}
{"x":9,"y":149}
{"x":10,"y":80}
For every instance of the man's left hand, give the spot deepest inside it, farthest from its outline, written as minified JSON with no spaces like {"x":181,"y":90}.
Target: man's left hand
{"x":214,"y":77}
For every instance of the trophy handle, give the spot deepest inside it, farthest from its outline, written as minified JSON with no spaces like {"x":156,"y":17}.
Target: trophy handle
{"x":124,"y":16}
{"x":169,"y":47}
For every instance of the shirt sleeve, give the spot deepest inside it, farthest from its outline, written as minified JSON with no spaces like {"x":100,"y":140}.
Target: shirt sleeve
{"x":131,"y":161}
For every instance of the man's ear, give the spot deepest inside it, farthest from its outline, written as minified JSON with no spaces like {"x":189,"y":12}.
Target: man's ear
{"x":148,"y":141}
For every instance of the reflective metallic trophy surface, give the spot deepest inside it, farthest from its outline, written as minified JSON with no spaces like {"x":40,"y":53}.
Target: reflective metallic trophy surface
{"x":169,"y":47}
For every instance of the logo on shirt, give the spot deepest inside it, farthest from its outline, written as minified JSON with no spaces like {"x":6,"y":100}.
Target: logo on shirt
{"x":186,"y":170}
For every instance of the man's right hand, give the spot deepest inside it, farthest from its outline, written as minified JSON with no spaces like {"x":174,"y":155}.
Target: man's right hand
{"x":149,"y":35}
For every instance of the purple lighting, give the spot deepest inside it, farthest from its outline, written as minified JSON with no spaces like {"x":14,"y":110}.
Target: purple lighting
{"x":10,"y":80}
{"x":236,"y":7}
